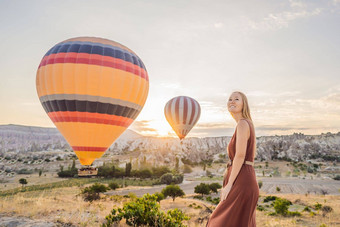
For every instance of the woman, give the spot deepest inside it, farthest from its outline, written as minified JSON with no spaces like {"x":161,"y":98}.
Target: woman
{"x":240,"y":191}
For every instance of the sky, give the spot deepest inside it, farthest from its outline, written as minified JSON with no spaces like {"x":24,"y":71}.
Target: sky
{"x":283,"y":54}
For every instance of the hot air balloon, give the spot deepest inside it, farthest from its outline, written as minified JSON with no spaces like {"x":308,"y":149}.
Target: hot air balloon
{"x":182,"y":113}
{"x":92,"y":89}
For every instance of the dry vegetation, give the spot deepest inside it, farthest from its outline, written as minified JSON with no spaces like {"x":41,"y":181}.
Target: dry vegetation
{"x":64,"y":205}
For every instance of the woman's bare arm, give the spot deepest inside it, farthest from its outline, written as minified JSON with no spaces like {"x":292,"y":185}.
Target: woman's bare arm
{"x":242,"y":135}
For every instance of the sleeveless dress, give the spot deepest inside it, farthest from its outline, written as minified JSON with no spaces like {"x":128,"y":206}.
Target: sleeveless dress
{"x":239,"y":208}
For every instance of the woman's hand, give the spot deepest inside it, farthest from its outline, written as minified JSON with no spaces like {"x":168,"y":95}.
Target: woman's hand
{"x":225,"y":192}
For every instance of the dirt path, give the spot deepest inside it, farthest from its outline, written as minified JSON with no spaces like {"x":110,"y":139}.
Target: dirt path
{"x":287,"y":185}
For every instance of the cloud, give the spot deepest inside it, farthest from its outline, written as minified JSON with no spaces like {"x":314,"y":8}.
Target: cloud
{"x":294,"y":3}
{"x":275,"y":21}
{"x":142,"y":127}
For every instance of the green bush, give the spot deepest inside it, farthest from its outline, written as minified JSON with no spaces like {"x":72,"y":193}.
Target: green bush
{"x":281,"y":206}
{"x":337,"y":177}
{"x":145,"y":211}
{"x":307,"y":209}
{"x":294,"y":213}
{"x":260,"y":183}
{"x":92,"y":193}
{"x":159,"y":196}
{"x":173,"y":191}
{"x":24,"y":171}
{"x":260,"y":208}
{"x":317,"y":206}
{"x":68,"y":173}
{"x":270,"y":198}
{"x":113,"y":185}
{"x":169,"y":178}
{"x":159,"y":171}
{"x":23,"y":181}
{"x":214,"y":200}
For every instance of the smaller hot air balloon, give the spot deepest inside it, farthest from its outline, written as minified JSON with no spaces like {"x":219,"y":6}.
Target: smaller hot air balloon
{"x":182,"y":113}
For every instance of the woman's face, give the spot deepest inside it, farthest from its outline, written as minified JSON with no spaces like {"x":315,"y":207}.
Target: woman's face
{"x":235,"y":103}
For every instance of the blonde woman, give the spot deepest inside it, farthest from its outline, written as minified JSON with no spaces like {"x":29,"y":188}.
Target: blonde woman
{"x":240,"y":191}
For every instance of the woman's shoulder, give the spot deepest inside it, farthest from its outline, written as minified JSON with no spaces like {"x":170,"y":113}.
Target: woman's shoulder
{"x":243,"y":124}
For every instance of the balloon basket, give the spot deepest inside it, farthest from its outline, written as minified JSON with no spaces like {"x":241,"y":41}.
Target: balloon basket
{"x":87,"y":171}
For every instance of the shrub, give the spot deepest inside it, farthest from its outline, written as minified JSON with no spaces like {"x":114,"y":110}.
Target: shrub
{"x":214,"y":186}
{"x":202,"y":189}
{"x":160,"y":171}
{"x":278,"y":189}
{"x":317,"y":206}
{"x":173,"y":191}
{"x":294,"y":213}
{"x":113,"y":185}
{"x":24,"y":171}
{"x":145,"y":211}
{"x":159,"y":196}
{"x":281,"y":206}
{"x":145,"y":173}
{"x":214,"y":200}
{"x":270,"y":198}
{"x":325,"y":210}
{"x":260,"y":208}
{"x":168,"y":178}
{"x":68,"y":173}
{"x":307,"y":209}
{"x":337,"y":177}
{"x":260,"y":183}
{"x":92,"y":193}
{"x":23,"y":181}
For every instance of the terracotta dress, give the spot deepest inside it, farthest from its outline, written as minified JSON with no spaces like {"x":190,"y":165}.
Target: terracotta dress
{"x":238,"y":209}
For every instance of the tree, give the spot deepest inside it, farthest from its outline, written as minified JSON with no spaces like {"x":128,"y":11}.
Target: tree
{"x":177,"y":164}
{"x":73,"y":164}
{"x":22,"y":181}
{"x":173,"y":191}
{"x":203,"y":189}
{"x":128,"y":167}
{"x":214,"y":186}
{"x":40,"y":172}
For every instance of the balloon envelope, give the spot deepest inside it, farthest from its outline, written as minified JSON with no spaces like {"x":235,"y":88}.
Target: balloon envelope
{"x":92,"y":89}
{"x":182,"y":113}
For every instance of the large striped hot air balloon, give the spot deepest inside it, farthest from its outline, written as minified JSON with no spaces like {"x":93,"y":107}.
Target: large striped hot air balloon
{"x":92,"y":89}
{"x":182,"y":113}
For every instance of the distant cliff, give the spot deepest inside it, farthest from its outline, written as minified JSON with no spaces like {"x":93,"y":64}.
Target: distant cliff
{"x":19,"y":139}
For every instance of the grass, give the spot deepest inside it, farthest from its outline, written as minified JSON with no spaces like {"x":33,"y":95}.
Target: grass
{"x":75,"y":182}
{"x":65,"y":206}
